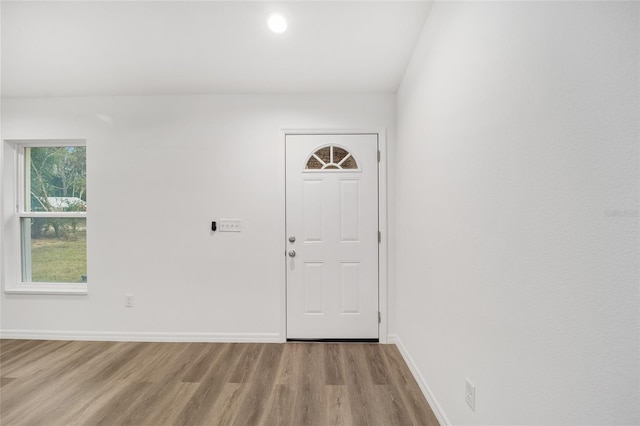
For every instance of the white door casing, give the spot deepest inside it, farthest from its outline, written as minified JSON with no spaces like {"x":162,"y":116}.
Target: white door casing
{"x":332,"y":280}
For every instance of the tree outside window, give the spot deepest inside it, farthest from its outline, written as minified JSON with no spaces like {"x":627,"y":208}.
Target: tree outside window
{"x":53,"y":217}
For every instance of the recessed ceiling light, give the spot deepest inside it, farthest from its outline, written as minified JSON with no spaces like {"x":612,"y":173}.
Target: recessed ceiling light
{"x":277,"y":24}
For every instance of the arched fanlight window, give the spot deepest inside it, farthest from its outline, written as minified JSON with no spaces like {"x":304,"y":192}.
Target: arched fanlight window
{"x":331,"y":158}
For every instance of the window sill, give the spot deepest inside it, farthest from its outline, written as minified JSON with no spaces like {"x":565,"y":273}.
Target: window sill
{"x":48,"y":288}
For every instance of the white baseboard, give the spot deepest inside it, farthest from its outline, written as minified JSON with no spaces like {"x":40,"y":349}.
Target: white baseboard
{"x":431,"y":399}
{"x":142,"y":337}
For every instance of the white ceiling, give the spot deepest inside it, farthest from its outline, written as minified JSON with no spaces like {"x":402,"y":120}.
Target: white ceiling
{"x":80,"y":48}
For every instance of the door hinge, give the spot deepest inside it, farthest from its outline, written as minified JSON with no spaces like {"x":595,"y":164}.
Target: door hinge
{"x":379,"y":317}
{"x":378,"y":156}
{"x":379,"y":236}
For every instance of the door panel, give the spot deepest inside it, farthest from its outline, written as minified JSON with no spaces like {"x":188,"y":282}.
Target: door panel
{"x":313,"y":208}
{"x":350,"y":287}
{"x":313,"y":291}
{"x":332,"y":212}
{"x":349,"y":210}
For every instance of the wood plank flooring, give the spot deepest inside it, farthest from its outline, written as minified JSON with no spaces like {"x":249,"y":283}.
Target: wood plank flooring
{"x":123,"y":383}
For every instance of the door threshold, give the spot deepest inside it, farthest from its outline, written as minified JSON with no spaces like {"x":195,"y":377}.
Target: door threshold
{"x":333,"y":340}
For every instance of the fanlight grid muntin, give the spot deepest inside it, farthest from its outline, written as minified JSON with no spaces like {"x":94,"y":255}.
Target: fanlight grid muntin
{"x":331,"y":158}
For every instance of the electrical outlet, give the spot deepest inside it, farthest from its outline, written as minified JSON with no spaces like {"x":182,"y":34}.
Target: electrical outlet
{"x":470,"y":394}
{"x":128,"y":300}
{"x":229,"y":225}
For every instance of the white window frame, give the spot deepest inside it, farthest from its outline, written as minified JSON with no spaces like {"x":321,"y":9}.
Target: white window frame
{"x":13,"y":212}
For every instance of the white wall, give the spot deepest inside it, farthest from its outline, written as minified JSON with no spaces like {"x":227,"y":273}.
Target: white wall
{"x":517,"y":142}
{"x":159,"y":170}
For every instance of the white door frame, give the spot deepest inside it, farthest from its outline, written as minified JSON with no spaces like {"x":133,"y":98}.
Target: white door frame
{"x":383,"y":266}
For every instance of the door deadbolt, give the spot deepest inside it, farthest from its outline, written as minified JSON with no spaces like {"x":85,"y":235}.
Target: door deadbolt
{"x":292,"y":239}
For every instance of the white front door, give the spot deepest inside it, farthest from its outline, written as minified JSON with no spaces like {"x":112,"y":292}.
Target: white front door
{"x":332,"y":236}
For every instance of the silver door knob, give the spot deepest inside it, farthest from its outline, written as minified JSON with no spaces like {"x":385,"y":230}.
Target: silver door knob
{"x":292,"y":239}
{"x":292,"y":253}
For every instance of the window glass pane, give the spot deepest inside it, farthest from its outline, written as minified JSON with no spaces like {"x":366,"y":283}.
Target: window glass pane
{"x":331,"y":158}
{"x":349,"y":163}
{"x":55,"y":178}
{"x":54,"y":250}
{"x":324,"y":154}
{"x":313,"y":163}
{"x":338,"y":154}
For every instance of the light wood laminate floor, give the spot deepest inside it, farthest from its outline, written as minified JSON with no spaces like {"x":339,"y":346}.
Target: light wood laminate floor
{"x":123,"y":383}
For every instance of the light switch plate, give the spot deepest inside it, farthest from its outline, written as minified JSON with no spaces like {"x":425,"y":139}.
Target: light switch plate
{"x":229,"y":225}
